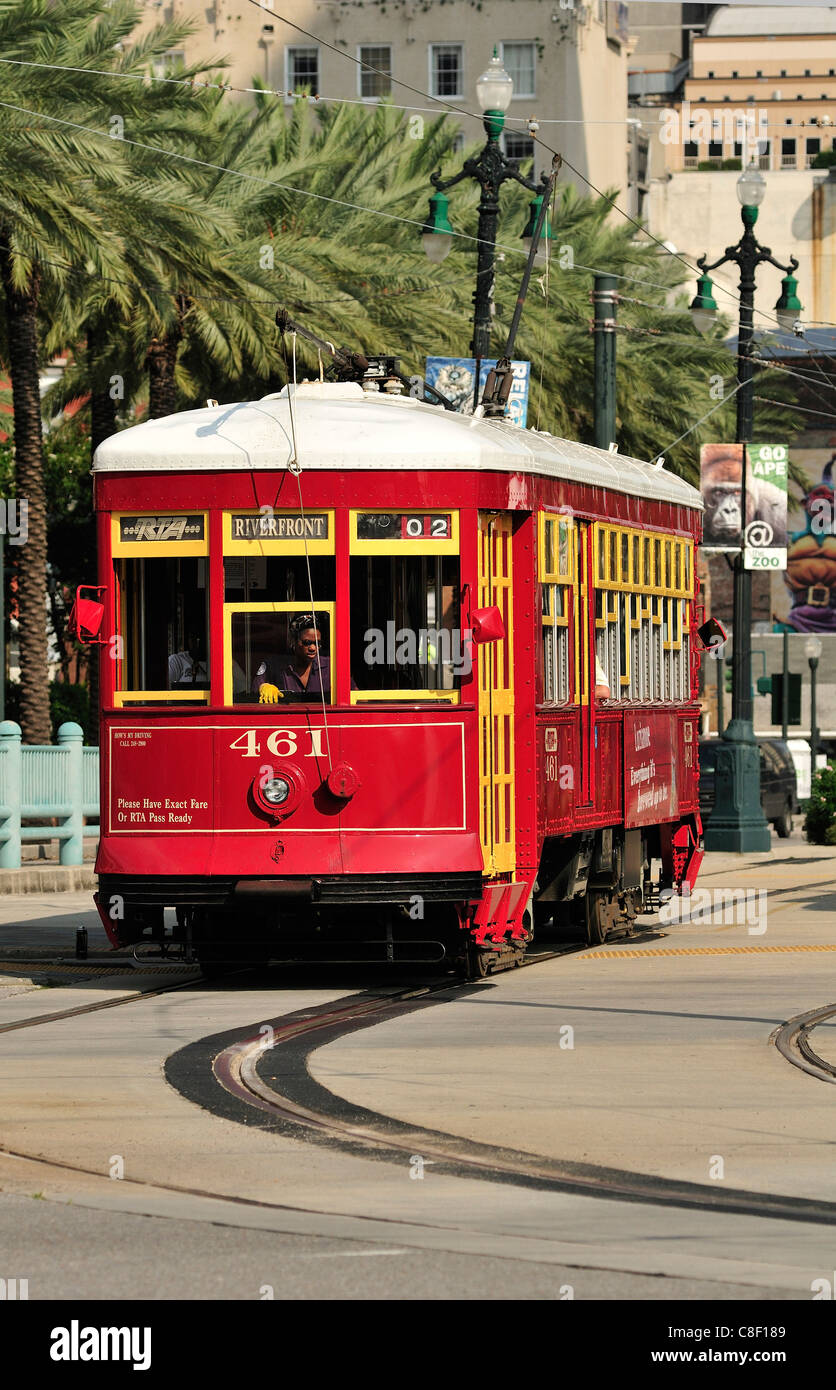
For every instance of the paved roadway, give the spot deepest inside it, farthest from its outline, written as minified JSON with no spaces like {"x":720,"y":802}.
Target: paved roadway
{"x":670,"y":1071}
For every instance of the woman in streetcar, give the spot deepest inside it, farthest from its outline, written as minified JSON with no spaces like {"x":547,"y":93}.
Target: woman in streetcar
{"x":307,"y":671}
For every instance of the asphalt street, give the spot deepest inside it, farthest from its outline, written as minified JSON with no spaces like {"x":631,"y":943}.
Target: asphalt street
{"x":650,"y":1056}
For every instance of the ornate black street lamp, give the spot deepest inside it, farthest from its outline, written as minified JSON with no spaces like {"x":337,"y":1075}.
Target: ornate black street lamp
{"x":737,"y":822}
{"x":490,"y":169}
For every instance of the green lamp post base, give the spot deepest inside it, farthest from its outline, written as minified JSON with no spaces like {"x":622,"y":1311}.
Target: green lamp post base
{"x":737,"y":824}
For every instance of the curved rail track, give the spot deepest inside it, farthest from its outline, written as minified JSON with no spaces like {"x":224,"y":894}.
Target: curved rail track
{"x":238,"y":1077}
{"x":792,"y":1040}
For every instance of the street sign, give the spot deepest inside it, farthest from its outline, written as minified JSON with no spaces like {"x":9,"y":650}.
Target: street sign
{"x":765,"y":558}
{"x":455,"y":377}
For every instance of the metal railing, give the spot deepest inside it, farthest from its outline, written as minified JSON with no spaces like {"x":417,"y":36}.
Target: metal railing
{"x":44,"y":784}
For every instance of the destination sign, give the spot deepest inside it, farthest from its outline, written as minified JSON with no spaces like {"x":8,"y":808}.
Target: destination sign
{"x":385,"y":526}
{"x":275,"y":526}
{"x":162,"y":528}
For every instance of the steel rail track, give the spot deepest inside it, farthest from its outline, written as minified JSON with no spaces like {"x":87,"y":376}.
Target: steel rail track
{"x":237,"y":1068}
{"x":301,"y":1107}
{"x":36,"y":1019}
{"x":792,"y":1040}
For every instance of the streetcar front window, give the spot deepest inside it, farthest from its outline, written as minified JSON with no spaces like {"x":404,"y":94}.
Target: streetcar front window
{"x":405,"y":626}
{"x":281,"y":653}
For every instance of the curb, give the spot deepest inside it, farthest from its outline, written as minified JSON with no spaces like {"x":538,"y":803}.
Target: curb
{"x":51,"y":878}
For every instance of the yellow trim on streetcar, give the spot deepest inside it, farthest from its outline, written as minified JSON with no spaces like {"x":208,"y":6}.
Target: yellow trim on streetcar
{"x":405,"y":545}
{"x":309,"y":544}
{"x":230,"y":609}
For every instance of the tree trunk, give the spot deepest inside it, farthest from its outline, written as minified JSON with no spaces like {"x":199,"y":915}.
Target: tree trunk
{"x":102,"y":404}
{"x":162,"y":360}
{"x":102,"y":426}
{"x":21,"y":316}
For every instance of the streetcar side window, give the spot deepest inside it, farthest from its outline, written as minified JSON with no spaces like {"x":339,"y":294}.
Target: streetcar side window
{"x":642,"y":613}
{"x":556,"y":572}
{"x":163,"y":624}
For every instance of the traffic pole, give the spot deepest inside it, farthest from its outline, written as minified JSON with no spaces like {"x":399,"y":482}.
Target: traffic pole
{"x":785,"y":689}
{"x":604,"y":300}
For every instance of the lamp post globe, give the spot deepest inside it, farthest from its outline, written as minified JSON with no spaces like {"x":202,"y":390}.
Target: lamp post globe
{"x":545,"y":239}
{"x":704,"y":305}
{"x":789,"y":307}
{"x":495,"y":87}
{"x":812,"y":649}
{"x":751,"y":187}
{"x":437,"y":234}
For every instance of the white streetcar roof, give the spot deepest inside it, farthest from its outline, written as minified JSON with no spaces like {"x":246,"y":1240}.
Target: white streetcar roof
{"x":338,"y":425}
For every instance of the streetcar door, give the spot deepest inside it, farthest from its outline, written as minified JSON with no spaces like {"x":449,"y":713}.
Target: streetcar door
{"x":584,"y":660}
{"x":496,"y":699}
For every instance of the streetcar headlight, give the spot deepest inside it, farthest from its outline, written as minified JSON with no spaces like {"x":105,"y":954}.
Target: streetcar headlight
{"x":276,"y":790}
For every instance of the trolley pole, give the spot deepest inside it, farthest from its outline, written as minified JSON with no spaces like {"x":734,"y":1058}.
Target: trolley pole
{"x":604,"y":300}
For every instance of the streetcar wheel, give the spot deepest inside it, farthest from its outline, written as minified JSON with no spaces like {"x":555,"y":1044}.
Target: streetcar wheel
{"x":596,"y":924}
{"x":783,"y":824}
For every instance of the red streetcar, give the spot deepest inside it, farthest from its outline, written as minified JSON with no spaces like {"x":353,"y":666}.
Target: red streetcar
{"x":387,"y":682}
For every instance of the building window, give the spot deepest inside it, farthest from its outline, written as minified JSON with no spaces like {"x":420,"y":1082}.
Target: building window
{"x":519,"y":61}
{"x":518,"y":146}
{"x":715,"y":149}
{"x":735,"y":73}
{"x":783,"y":72}
{"x":813,"y":147}
{"x":302,"y":69}
{"x":807,"y":72}
{"x":379,"y":83}
{"x":446,"y":67}
{"x":759,"y":73}
{"x":711,"y":72}
{"x":831,"y":72}
{"x":169,"y":64}
{"x":788,"y":154}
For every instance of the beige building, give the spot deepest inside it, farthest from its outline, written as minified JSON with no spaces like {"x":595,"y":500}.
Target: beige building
{"x":700,"y":213}
{"x":568,"y":60}
{"x":762,"y":76}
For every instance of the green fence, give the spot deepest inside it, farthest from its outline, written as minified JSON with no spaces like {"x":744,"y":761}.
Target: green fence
{"x":39,"y":783}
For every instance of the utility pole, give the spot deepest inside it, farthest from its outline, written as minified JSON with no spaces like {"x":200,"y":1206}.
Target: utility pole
{"x":604,"y":300}
{"x":737,"y":822}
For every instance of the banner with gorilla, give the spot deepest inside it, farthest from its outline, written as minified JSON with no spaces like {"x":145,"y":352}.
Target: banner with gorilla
{"x":721,"y":483}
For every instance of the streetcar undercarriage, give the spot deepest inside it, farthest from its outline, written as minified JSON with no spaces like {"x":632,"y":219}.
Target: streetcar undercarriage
{"x":592,"y":885}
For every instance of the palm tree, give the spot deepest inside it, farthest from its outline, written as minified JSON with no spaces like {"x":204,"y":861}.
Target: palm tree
{"x":58,"y":174}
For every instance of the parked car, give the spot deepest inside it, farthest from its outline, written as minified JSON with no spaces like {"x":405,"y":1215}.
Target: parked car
{"x":779,"y":795}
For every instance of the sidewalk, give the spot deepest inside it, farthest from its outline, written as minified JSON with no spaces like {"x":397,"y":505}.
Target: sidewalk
{"x":40,"y":871}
